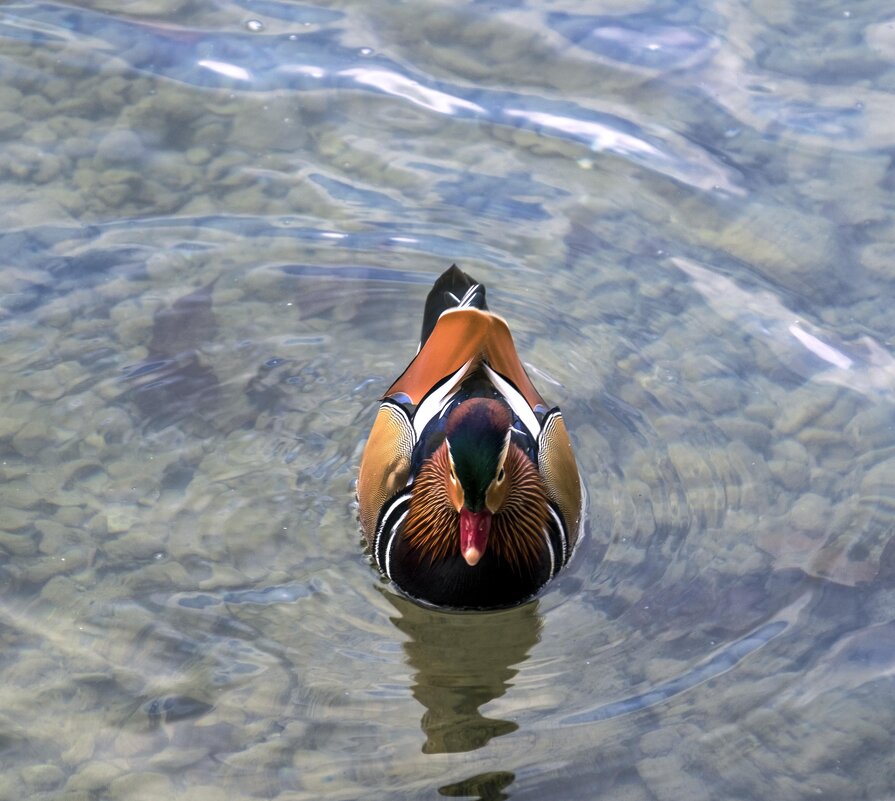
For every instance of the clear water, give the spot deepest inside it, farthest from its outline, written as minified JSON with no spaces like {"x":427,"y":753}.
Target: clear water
{"x":218,"y":222}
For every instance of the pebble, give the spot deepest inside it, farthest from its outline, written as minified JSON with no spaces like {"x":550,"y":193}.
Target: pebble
{"x":10,"y":97}
{"x":32,"y":438}
{"x":112,"y":423}
{"x":790,"y":465}
{"x":56,"y":88}
{"x":755,"y":435}
{"x":44,"y":137}
{"x":261,"y":132}
{"x":36,"y":107}
{"x":94,"y":776}
{"x":113,"y":195}
{"x":54,"y":536}
{"x":43,"y":386}
{"x":17,"y":544}
{"x":40,"y":571}
{"x":10,"y":785}
{"x":879,"y":481}
{"x":668,"y":780}
{"x":73,"y":202}
{"x":121,"y":146}
{"x":86,"y":476}
{"x":249,"y":200}
{"x":764,"y":412}
{"x":73,"y":515}
{"x":878,"y":257}
{"x":719,"y":395}
{"x":814,"y":438}
{"x":172,"y":172}
{"x":141,"y":786}
{"x":198,"y":156}
{"x":175,"y":759}
{"x":223,"y":165}
{"x":112,"y":93}
{"x":804,"y":406}
{"x":18,"y":494}
{"x":97,"y":525}
{"x":213,"y":136}
{"x":872,"y":428}
{"x":10,"y":426}
{"x":208,"y":792}
{"x":666,"y":738}
{"x":11,"y":125}
{"x":138,"y":544}
{"x":78,"y":147}
{"x":81,"y":749}
{"x":48,"y":169}
{"x":810,"y":514}
{"x":42,"y":778}
{"x":120,"y":517}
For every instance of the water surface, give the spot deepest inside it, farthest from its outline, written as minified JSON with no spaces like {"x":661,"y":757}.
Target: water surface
{"x":219,"y":222}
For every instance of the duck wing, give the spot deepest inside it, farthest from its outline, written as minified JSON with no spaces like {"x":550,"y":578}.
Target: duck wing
{"x":461,"y":340}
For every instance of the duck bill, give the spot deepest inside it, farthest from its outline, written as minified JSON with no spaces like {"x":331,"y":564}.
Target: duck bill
{"x":474,"y":528}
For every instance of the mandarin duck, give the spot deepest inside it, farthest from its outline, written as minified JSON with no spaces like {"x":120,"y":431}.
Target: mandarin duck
{"x":468,"y":491}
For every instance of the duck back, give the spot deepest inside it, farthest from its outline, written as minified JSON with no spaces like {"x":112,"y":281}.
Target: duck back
{"x":454,"y":289}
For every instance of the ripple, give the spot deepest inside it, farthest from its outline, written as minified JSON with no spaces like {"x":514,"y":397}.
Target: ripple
{"x":726,"y":659}
{"x":260,"y":63}
{"x":639,"y":40}
{"x":219,"y":242}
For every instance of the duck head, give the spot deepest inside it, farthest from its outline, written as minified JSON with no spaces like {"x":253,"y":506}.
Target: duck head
{"x":478,"y":493}
{"x":478,"y":440}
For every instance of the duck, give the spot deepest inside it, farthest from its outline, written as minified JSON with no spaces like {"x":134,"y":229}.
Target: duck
{"x":468,"y":491}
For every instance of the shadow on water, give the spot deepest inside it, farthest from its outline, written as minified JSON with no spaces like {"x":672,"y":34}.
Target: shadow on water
{"x":463,"y":661}
{"x":173,"y":381}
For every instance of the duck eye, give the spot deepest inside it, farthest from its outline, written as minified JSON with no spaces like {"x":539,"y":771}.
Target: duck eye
{"x":500,"y":475}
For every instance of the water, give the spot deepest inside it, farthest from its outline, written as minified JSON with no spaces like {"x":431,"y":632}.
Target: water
{"x":219,"y":222}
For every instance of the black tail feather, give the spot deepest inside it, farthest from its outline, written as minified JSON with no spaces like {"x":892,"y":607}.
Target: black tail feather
{"x":453,"y":289}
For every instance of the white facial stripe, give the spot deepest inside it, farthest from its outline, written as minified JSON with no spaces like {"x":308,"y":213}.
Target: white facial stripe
{"x":517,"y":402}
{"x":506,"y":447}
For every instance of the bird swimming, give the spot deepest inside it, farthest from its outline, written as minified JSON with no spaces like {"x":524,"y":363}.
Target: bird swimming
{"x":468,"y":490}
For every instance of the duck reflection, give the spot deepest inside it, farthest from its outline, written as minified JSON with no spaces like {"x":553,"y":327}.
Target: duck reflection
{"x":462,"y":661}
{"x":484,"y":786}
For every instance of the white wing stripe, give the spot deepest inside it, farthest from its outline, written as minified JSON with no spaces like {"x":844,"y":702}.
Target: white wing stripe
{"x":385,"y":526}
{"x":469,"y":296}
{"x":388,"y":550}
{"x":434,"y":402}
{"x":550,"y":549}
{"x":516,"y":400}
{"x":563,"y":535}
